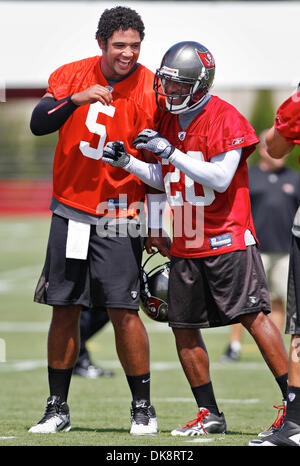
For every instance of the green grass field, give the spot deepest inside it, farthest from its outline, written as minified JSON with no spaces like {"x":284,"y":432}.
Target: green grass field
{"x":246,"y":391}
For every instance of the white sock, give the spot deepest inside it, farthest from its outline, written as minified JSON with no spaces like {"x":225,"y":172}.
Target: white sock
{"x":236,"y":345}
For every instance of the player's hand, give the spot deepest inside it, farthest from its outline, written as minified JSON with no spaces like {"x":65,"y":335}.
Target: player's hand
{"x":93,"y":94}
{"x":160,"y":240}
{"x":151,"y":140}
{"x":115,"y":154}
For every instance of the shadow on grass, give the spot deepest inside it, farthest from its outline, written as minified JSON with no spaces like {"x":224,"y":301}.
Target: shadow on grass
{"x":240,"y":432}
{"x":90,"y":429}
{"x":161,"y":431}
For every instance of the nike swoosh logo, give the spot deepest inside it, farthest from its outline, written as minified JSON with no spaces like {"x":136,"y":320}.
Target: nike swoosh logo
{"x":142,"y":405}
{"x":60,"y":422}
{"x":145,"y":381}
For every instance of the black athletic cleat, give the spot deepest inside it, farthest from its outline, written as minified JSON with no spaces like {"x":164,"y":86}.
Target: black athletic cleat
{"x":86,"y":369}
{"x":143,"y":418}
{"x":56,"y":418}
{"x":278,"y":421}
{"x":204,"y":424}
{"x":287,"y":435}
{"x":231,"y":355}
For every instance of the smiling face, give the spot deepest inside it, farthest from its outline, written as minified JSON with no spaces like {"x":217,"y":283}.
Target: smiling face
{"x":173,"y":88}
{"x":120,"y":54}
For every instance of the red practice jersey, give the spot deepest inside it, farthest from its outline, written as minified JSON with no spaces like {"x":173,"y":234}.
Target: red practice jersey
{"x":80,"y":178}
{"x":287,"y":120}
{"x":205,"y":222}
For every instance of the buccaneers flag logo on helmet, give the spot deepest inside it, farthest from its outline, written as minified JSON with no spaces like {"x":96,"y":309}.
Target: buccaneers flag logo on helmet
{"x":207,"y":59}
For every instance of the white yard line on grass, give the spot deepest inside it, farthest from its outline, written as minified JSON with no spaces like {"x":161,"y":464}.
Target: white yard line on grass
{"x":19,"y":279}
{"x":30,"y":364}
{"x":154,"y":327}
{"x":189,"y":400}
{"x":31,"y":327}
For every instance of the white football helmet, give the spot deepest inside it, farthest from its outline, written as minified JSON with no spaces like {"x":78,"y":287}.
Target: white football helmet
{"x":188,"y":63}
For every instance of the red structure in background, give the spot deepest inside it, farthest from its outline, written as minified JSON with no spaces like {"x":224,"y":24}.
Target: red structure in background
{"x":25,"y":197}
{"x":24,"y":93}
{"x":29,"y":196}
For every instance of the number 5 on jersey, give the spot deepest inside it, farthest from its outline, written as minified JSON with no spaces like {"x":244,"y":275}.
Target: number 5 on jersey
{"x":96,"y":128}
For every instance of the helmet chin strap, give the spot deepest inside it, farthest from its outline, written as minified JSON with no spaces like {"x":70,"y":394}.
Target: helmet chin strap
{"x":184,"y":106}
{"x":176,"y":109}
{"x":191,"y":101}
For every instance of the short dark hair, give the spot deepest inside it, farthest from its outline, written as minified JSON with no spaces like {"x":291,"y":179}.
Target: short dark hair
{"x":118,"y":18}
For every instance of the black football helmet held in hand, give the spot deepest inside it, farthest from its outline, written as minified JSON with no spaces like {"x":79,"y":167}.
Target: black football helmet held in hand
{"x":188,"y":63}
{"x":154,"y":290}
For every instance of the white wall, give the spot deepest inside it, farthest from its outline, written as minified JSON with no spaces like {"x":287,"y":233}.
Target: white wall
{"x":255,"y":44}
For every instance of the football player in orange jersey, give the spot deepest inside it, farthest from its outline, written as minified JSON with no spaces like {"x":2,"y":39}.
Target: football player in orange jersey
{"x":216,"y":273}
{"x":90,"y":262}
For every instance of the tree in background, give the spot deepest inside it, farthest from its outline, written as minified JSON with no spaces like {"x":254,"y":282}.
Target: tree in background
{"x":262,"y":116}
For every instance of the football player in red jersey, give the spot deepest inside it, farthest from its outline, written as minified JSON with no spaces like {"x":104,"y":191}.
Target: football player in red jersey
{"x":92,"y":101}
{"x":216,"y":277}
{"x":280,"y":140}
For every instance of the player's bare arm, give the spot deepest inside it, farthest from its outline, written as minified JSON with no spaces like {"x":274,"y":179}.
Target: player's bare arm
{"x":277,"y":146}
{"x":50,"y":114}
{"x":157,"y":237}
{"x":284,"y":134}
{"x":92,"y":95}
{"x":156,"y":240}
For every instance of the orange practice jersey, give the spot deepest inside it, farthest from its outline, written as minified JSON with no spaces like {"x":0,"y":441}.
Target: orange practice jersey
{"x":80,"y":178}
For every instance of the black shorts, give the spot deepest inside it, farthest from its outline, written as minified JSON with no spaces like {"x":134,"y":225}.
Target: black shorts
{"x":215,"y":291}
{"x":109,"y":277}
{"x":293,"y":294}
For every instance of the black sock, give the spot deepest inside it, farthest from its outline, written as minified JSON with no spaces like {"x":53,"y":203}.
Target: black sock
{"x":205,"y":398}
{"x":282,"y":381}
{"x":293,"y":405}
{"x":59,"y":382}
{"x":139,"y":386}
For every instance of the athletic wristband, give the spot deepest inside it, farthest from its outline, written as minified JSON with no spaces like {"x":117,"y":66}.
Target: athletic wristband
{"x":156,"y":205}
{"x":50,"y":114}
{"x":149,"y":173}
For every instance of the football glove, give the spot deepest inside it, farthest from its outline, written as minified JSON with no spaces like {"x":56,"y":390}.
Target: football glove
{"x":151,"y":140}
{"x":115,"y":154}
